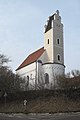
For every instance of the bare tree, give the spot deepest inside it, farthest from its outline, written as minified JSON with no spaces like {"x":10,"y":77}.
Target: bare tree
{"x":75,"y":73}
{"x":4,"y":60}
{"x":8,"y":80}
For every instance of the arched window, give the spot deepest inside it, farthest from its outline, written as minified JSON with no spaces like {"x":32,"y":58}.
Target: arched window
{"x":58,"y":41}
{"x":59,"y":58}
{"x":27,"y":80}
{"x":46,"y":78}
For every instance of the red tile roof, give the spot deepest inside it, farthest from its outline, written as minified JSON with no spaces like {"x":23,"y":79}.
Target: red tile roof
{"x":31,"y":58}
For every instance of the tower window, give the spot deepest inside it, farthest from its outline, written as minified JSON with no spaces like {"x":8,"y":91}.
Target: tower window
{"x":48,"y":41}
{"x":58,"y":41}
{"x":58,"y":57}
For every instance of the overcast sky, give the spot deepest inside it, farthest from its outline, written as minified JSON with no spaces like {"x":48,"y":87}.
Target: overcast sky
{"x":22,"y":24}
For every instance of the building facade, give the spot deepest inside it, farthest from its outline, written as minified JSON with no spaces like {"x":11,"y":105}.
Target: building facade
{"x":42,"y":66}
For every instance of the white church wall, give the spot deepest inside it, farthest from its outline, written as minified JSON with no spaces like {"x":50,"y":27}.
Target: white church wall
{"x":29,"y":70}
{"x":40,"y":80}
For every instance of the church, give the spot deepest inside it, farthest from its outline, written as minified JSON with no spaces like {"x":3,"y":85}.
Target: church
{"x":41,"y":67}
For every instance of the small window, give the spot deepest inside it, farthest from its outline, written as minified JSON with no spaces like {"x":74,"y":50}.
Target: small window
{"x":58,"y":57}
{"x":48,"y":41}
{"x":58,"y":41}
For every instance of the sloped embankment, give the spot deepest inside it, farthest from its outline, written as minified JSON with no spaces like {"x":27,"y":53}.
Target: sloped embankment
{"x":42,"y":105}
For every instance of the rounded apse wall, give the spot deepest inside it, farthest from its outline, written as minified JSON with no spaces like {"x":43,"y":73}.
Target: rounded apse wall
{"x":53,"y":70}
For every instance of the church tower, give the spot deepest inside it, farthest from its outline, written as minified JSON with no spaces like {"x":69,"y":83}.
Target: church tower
{"x":53,"y":39}
{"x":54,"y":48}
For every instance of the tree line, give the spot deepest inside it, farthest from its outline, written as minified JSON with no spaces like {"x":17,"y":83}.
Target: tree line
{"x":9,"y":81}
{"x":69,"y":81}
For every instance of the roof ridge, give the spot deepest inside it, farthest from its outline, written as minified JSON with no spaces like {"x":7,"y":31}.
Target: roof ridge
{"x":35,"y":51}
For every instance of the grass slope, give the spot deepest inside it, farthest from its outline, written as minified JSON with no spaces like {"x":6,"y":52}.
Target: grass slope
{"x":42,"y":105}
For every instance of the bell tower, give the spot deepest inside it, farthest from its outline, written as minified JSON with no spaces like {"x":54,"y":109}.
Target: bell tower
{"x":53,"y":39}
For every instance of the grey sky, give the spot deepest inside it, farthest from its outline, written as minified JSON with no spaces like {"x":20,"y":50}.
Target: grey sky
{"x":22,"y":23}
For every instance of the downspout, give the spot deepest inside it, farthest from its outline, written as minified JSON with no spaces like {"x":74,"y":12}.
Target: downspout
{"x":36,"y":77}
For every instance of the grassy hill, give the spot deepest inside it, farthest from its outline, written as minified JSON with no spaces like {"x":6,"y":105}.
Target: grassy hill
{"x":42,"y":104}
